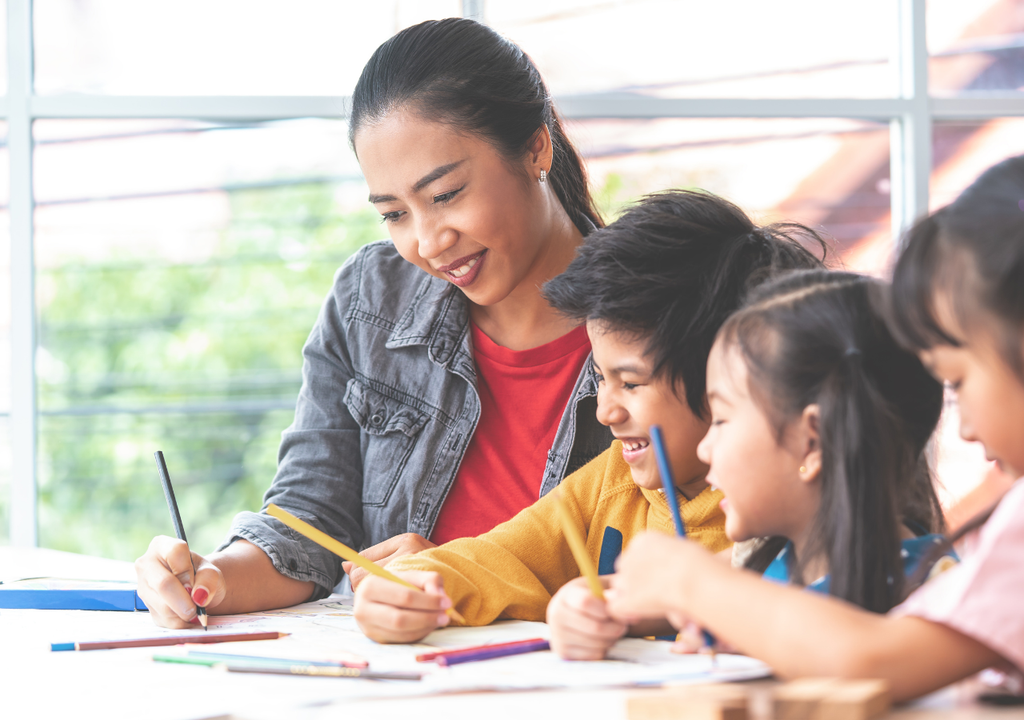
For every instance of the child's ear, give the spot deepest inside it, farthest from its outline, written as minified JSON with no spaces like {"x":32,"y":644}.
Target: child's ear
{"x":810,"y":443}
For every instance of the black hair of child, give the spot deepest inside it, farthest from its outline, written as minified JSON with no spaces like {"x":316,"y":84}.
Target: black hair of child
{"x":820,"y":338}
{"x":670,"y":270}
{"x":463,"y":74}
{"x":971,"y":251}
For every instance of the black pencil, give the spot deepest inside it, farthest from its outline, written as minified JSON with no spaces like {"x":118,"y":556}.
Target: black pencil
{"x":179,"y":529}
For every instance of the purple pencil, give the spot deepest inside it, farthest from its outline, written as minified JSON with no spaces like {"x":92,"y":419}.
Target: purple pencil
{"x":494,"y":652}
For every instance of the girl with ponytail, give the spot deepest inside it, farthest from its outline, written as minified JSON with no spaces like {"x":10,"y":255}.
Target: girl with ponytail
{"x":809,"y":365}
{"x":441,"y":393}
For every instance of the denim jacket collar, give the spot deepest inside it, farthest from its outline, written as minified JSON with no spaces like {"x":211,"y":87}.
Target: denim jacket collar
{"x":438,"y":318}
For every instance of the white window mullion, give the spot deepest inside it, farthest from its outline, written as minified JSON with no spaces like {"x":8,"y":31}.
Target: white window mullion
{"x":24,"y":530}
{"x":911,"y":143}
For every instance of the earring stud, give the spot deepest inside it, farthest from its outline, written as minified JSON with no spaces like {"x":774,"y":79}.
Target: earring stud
{"x":543,"y":176}
{"x":803,"y":470}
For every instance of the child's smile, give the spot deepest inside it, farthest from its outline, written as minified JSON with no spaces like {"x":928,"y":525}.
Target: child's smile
{"x":630,"y":399}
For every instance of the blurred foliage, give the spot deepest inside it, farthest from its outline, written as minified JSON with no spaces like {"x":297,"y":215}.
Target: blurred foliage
{"x":202,"y":361}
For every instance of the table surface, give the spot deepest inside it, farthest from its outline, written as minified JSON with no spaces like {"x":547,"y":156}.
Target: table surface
{"x":126,"y":683}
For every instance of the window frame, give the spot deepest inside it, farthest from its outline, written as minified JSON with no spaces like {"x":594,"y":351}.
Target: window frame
{"x":910,"y":113}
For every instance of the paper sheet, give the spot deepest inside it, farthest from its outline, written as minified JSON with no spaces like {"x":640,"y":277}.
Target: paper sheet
{"x":126,"y":683}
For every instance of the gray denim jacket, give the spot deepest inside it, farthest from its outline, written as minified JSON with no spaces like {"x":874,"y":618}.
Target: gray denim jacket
{"x":387,"y":408}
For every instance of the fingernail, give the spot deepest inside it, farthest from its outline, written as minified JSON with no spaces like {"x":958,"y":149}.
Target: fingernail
{"x":200,"y":596}
{"x":446,"y":603}
{"x":443,"y":620}
{"x":194,"y":620}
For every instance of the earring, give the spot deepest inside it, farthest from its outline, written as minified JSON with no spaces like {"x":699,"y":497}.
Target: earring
{"x":803,"y":470}
{"x":543,"y":176}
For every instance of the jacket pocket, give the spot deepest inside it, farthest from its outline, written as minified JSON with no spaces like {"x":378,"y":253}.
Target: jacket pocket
{"x":389,"y":431}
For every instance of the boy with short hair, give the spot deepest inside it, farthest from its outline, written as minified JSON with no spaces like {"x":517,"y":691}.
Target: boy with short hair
{"x":653,"y":288}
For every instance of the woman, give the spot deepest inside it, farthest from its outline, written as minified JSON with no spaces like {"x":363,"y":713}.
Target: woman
{"x":441,"y":393}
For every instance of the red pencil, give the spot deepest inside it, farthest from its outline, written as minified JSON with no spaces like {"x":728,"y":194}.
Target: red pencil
{"x":427,"y":657}
{"x":167,"y":640}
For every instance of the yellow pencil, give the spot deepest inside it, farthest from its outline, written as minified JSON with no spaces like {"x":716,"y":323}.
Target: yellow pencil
{"x":579,"y":549}
{"x":344,"y":551}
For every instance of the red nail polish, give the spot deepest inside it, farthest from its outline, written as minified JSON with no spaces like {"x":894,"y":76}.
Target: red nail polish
{"x":200,"y":596}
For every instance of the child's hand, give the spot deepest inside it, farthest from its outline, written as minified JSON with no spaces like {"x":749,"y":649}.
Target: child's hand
{"x":692,"y":638}
{"x":581,"y":628}
{"x":384,"y":552}
{"x":391,"y":613}
{"x":650,"y":574}
{"x":168,"y":587}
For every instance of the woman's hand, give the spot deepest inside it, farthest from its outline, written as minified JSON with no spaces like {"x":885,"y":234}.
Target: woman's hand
{"x":581,"y":627}
{"x":385,"y":552}
{"x":167,"y":585}
{"x":391,"y":613}
{"x":650,"y":575}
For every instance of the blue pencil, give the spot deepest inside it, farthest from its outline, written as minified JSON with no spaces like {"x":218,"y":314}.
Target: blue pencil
{"x":669,"y":486}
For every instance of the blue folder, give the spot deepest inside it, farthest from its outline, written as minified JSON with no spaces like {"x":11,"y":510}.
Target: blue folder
{"x":56,"y":594}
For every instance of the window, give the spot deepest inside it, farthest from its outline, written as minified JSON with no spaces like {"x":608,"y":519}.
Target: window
{"x":181,"y":193}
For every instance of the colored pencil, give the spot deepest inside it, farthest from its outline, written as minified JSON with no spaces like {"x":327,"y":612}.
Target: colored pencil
{"x":431,"y":656}
{"x":320,"y":671}
{"x":486,"y":653}
{"x":577,"y":546}
{"x":207,"y":658}
{"x":669,"y":487}
{"x":166,"y":640}
{"x":179,"y":529}
{"x":344,"y":551}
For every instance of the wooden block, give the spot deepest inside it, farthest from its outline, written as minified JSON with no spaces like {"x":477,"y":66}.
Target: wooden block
{"x":695,"y":702}
{"x":830,"y":699}
{"x":799,"y":699}
{"x":855,"y":700}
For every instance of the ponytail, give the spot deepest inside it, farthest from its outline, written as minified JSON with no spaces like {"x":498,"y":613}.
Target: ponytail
{"x":568,"y":178}
{"x":864,"y":458}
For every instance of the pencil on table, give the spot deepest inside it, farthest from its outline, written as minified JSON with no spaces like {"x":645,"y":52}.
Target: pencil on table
{"x":165,"y":640}
{"x":344,"y":551}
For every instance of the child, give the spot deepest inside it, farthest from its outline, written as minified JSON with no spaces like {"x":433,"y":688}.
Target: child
{"x":818,"y":430}
{"x":653,"y":288}
{"x":958,"y":299}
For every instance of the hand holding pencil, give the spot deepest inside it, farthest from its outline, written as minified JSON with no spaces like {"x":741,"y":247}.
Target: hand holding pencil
{"x":417,"y":598}
{"x":581,"y":626}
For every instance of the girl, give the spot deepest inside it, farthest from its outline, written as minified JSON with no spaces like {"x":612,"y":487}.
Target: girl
{"x":958,"y":299}
{"x":819,"y":423}
{"x":441,"y":393}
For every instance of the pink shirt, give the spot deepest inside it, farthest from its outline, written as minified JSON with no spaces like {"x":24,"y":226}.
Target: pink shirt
{"x":983,"y":597}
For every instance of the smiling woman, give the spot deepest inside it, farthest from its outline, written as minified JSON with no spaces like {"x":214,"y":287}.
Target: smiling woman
{"x":441,"y":393}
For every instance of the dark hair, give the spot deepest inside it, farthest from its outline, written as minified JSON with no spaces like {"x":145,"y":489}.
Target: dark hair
{"x":971,"y":251}
{"x":820,"y":338}
{"x":462,"y":73}
{"x":671,"y":270}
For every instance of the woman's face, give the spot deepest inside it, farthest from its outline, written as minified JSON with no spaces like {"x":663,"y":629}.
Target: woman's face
{"x":455,"y":208}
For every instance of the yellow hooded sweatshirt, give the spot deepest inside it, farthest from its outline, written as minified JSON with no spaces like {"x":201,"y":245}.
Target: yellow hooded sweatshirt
{"x":513,"y":570}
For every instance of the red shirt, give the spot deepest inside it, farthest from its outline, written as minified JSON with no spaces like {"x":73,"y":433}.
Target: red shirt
{"x":523,"y":394}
